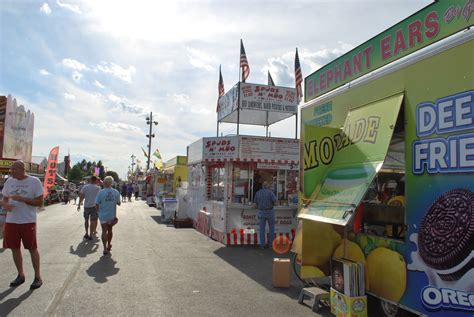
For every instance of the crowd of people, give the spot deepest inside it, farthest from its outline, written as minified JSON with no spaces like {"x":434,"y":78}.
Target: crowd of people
{"x":68,"y":192}
{"x":23,"y":196}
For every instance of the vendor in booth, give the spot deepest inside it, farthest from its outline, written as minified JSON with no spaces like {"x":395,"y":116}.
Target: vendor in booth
{"x":264,"y":201}
{"x":257,"y":183}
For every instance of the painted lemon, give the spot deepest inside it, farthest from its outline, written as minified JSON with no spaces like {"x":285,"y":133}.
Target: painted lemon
{"x":387,"y":274}
{"x":308,"y":271}
{"x":319,"y":241}
{"x":349,"y":250}
{"x":352,"y":252}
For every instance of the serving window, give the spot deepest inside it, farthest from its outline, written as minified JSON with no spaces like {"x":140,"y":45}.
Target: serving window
{"x":351,"y":161}
{"x":383,"y":207}
{"x":248,"y":179}
{"x":216,"y":175}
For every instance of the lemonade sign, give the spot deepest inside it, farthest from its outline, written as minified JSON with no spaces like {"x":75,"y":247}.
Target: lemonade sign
{"x":340,"y":164}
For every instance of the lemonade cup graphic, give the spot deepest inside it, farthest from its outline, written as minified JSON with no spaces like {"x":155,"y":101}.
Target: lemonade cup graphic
{"x":343,"y":184}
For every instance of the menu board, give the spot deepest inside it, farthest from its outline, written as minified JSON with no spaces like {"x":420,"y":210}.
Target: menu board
{"x":269,"y":149}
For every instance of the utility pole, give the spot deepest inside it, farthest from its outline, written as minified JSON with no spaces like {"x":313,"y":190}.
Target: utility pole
{"x":150,"y":135}
{"x":133,"y":161}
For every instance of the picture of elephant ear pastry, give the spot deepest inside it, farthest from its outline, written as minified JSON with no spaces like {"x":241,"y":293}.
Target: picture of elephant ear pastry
{"x":445,"y":236}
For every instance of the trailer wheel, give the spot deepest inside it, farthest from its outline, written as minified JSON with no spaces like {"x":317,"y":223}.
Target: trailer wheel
{"x":381,"y":308}
{"x":388,"y":309}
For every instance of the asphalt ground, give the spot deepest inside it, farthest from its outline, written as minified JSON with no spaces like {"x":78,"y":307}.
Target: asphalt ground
{"x":154,"y":269}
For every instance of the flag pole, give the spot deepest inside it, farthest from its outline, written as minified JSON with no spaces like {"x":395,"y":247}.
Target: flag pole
{"x":296,"y":123}
{"x":218,"y":104}
{"x":238,"y":87}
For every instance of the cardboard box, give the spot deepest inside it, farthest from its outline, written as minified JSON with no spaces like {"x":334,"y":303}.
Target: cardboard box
{"x":281,"y":272}
{"x":345,"y":306}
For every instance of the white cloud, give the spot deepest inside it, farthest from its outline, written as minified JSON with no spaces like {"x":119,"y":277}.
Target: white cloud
{"x":73,"y":64}
{"x":118,"y":71}
{"x":170,"y":21}
{"x":200,"y":59}
{"x":132,"y":108}
{"x":114,"y":98}
{"x":181,"y":99}
{"x":76,"y":76}
{"x":69,"y":96}
{"x":117,"y":127}
{"x":45,"y":9}
{"x":68,"y":6}
{"x":44,"y":72}
{"x":123,"y":104}
{"x":280,"y":69}
{"x":98,"y":84}
{"x":323,"y":56}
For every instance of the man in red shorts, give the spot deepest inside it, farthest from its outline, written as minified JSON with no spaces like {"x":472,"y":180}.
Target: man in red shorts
{"x":22,"y":195}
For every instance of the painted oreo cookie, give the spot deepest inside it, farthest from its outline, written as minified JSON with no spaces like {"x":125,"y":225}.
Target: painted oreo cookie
{"x":445,"y":236}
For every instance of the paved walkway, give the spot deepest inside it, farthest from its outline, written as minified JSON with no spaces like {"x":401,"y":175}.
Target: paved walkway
{"x":154,"y":270}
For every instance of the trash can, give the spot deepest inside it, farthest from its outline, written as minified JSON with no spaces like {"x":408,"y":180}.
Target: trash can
{"x":169,"y":209}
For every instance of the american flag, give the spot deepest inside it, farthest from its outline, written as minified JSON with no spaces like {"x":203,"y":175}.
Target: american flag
{"x":244,"y":64}
{"x":270,"y":80}
{"x":220,"y":88}
{"x":298,"y":78}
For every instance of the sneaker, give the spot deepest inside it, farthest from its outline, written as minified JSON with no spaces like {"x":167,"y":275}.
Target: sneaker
{"x":18,"y":281}
{"x":86,"y":237}
{"x":36,"y":283}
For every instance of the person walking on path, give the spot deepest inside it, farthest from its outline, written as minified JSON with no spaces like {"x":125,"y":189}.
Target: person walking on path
{"x":22,"y":195}
{"x":129,"y":192}
{"x":264,"y":200}
{"x":88,"y":194}
{"x":106,"y":201}
{"x":3,"y":216}
{"x":136,"y":190}
{"x":124,"y":192}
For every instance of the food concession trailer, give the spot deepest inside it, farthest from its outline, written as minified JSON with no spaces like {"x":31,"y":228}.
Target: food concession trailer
{"x":224,"y":174}
{"x":226,"y":171}
{"x":387,"y":138}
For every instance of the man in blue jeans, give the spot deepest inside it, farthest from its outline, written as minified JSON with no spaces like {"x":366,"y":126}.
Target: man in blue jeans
{"x":264,"y":200}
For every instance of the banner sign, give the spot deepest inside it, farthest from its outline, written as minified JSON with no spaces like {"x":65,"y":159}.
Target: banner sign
{"x":17,"y":131}
{"x":247,"y":219}
{"x":5,"y":165}
{"x":349,"y":160}
{"x":269,"y":149}
{"x":268,"y":98}
{"x":51,"y":168}
{"x":259,"y":98}
{"x":441,"y":202}
{"x":281,"y":167}
{"x":427,"y":26}
{"x":229,"y":102}
{"x":223,"y":148}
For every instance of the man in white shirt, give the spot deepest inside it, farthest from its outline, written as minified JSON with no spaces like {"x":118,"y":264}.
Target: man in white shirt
{"x":22,"y":195}
{"x":88,"y":194}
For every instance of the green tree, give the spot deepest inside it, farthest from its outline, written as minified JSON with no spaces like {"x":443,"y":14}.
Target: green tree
{"x":89,"y":168}
{"x":75,"y":174}
{"x":114,"y":175}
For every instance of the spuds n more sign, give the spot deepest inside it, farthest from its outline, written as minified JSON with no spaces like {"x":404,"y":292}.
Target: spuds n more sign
{"x":363,"y":130}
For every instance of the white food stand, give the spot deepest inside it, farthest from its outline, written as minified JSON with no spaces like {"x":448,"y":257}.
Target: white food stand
{"x":224,"y":172}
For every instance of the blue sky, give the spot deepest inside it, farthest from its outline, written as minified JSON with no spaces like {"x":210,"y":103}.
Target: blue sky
{"x":92,"y":70}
